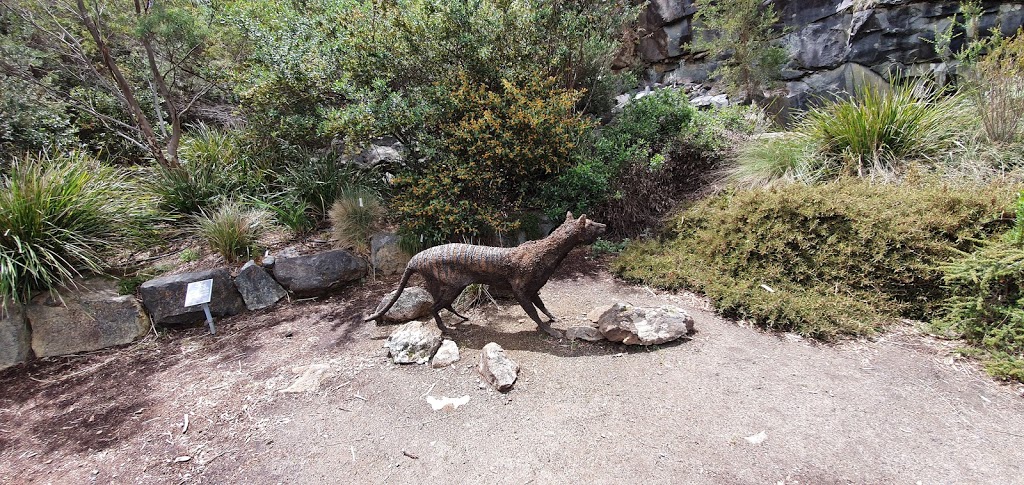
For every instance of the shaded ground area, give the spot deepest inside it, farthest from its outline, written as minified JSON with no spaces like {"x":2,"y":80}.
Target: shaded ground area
{"x":901,"y":408}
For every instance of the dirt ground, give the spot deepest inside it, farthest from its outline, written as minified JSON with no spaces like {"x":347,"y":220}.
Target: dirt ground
{"x":731,"y":405}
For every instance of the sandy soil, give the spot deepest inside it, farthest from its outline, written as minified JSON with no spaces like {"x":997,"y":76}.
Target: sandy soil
{"x":897,"y":409}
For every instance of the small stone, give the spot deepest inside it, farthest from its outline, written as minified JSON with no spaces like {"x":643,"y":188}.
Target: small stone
{"x":643,"y":325}
{"x":446,"y":355}
{"x":581,"y":332}
{"x":413,"y":303}
{"x":309,"y":380}
{"x":413,"y":342}
{"x":497,"y":368}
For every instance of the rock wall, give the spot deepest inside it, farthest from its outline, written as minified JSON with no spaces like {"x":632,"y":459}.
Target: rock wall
{"x":833,"y":44}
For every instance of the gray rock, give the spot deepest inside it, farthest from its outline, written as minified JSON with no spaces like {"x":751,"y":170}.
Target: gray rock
{"x":258,"y":289}
{"x":15,"y":337}
{"x":382,"y":151}
{"x":385,"y":254}
{"x":318,"y":274}
{"x":414,"y":342}
{"x":90,"y":317}
{"x":821,"y":44}
{"x":309,"y":378}
{"x":631,"y":325}
{"x":164,"y":297}
{"x":717,"y":101}
{"x":497,"y":368}
{"x":662,"y":12}
{"x":584,"y":332}
{"x":414,"y":303}
{"x":831,"y":84}
{"x":687,"y":73}
{"x":446,"y":355}
{"x":675,"y":36}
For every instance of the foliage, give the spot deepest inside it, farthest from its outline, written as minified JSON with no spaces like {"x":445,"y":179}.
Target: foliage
{"x":355,"y":216}
{"x":825,"y":260}
{"x":986,"y":302}
{"x":60,"y":216}
{"x":604,"y":246}
{"x":764,"y":161}
{"x":659,"y":151}
{"x":499,"y":146}
{"x":213,"y":169}
{"x":878,"y":132}
{"x":318,"y":178}
{"x":743,"y":31}
{"x":233,"y":230}
{"x":997,"y":87}
{"x":129,"y":73}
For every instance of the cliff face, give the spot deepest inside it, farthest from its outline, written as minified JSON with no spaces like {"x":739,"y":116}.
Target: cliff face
{"x":832,"y":44}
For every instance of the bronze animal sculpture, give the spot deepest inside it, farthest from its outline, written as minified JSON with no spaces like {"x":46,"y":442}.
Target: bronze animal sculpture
{"x":450,"y":268}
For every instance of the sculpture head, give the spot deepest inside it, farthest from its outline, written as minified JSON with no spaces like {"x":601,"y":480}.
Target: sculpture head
{"x":587,"y":230}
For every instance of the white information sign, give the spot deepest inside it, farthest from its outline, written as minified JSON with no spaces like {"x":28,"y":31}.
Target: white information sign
{"x":199,"y":292}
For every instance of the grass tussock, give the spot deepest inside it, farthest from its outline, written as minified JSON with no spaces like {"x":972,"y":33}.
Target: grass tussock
{"x":234,"y":231}
{"x":355,"y":216}
{"x":835,"y":259}
{"x":62,"y":216}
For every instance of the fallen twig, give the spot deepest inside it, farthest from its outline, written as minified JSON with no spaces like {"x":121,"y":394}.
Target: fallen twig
{"x":410,"y":455}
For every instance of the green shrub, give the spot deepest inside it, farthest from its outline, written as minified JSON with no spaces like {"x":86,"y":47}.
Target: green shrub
{"x":835,"y":259}
{"x":764,"y":161}
{"x":60,"y":216}
{"x":657,"y":152}
{"x":233,"y":230}
{"x":498,"y":148}
{"x":317,"y":179}
{"x":355,"y":216}
{"x":742,"y":30}
{"x":986,"y":302}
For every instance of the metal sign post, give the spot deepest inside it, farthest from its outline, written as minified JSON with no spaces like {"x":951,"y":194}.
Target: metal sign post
{"x":199,"y":293}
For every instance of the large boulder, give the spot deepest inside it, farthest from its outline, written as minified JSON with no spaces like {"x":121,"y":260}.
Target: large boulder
{"x":621,"y":322}
{"x":415,"y":302}
{"x":386,"y":256}
{"x":414,"y":342}
{"x":317,"y":274}
{"x":164,"y":297}
{"x":90,"y":316}
{"x":258,"y":289}
{"x":15,"y":338}
{"x":497,"y":368}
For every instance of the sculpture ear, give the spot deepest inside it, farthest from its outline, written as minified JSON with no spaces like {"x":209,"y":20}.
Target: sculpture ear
{"x":568,"y":216}
{"x":583,"y":218}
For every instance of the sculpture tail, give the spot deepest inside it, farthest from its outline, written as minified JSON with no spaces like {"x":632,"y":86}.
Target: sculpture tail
{"x":401,"y":287}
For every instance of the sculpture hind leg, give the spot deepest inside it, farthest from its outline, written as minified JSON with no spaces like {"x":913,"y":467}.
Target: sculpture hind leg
{"x":443,"y":300}
{"x":539,"y":304}
{"x":527,"y":305}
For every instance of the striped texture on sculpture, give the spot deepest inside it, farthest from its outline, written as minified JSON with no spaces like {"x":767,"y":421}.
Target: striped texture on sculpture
{"x":450,"y":268}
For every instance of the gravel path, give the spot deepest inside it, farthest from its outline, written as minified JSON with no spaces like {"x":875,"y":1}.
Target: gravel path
{"x":731,"y":405}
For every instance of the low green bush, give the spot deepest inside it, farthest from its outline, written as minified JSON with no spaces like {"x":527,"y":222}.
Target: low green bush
{"x":829,"y":260}
{"x":986,"y":302}
{"x":62,"y":216}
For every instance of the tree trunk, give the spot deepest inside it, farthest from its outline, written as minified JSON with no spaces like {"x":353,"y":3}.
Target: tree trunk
{"x":126,"y":91}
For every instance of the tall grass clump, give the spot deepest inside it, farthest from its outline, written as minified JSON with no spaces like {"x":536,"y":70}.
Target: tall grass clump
{"x":878,"y":132}
{"x":62,"y":216}
{"x":213,"y":169}
{"x":355,"y":216}
{"x":763,"y":161}
{"x":233,"y":230}
{"x":826,"y":260}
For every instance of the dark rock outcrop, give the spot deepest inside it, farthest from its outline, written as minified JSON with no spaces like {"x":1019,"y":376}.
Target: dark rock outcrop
{"x":164,"y":297}
{"x":318,"y":274}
